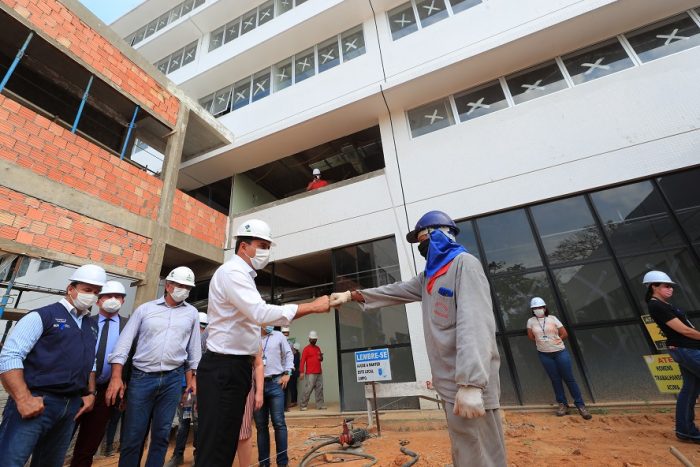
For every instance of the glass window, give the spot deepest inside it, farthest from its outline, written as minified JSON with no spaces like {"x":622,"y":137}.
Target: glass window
{"x":206,"y":102}
{"x":248,"y":21}
{"x":163,"y":65}
{"x":431,"y":11}
{"x":139,"y":35}
{"x":304,"y":65}
{"x":430,"y":117}
{"x":635,"y":218}
{"x":283,"y":6}
{"x":328,"y":54}
{"x":461,"y":5}
{"x":175,"y":61}
{"x":681,"y":190}
{"x":467,"y":238}
{"x":372,"y":328}
{"x":534,"y":382}
{"x":613,"y":359}
{"x":187,"y":7}
{"x":266,"y":12}
{"x":232,"y":30}
{"x":190,"y":53}
{"x":402,"y":371}
{"x":261,"y":84}
{"x":508,"y":394}
{"x":513,"y":295}
{"x":676,"y":263}
{"x":175,"y":13}
{"x":367,"y":265}
{"x":221,"y":101}
{"x":402,"y":21}
{"x":352,"y":43}
{"x":282,"y":75}
{"x":151,"y":28}
{"x":536,"y":82}
{"x":568,"y":231}
{"x":480,"y":101}
{"x":508,"y":242}
{"x":198,"y":3}
{"x":596,"y":61}
{"x":593,"y":292}
{"x":299,"y":2}
{"x":216,"y":39}
{"x":162,"y":21}
{"x":241,"y":94}
{"x":665,"y":37}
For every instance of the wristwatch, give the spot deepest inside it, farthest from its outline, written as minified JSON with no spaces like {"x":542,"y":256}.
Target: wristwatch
{"x":289,"y":372}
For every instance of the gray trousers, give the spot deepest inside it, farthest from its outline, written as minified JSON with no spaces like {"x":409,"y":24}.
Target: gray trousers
{"x":476,"y":442}
{"x":312,"y":382}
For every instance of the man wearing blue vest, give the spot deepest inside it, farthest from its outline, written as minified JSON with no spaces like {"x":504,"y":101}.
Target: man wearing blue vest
{"x":47,"y":367}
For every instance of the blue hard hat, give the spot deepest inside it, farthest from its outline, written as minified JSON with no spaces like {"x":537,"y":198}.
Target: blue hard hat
{"x":431,"y":219}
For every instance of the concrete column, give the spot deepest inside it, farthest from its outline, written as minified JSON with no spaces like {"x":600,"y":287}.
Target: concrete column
{"x":171,"y":168}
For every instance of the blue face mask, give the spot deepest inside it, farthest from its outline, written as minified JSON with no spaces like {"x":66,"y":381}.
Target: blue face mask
{"x":269,"y":329}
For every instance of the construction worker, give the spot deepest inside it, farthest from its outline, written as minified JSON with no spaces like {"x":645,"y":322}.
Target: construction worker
{"x":92,"y":426}
{"x":47,"y":366}
{"x":188,"y":418}
{"x":293,"y":381}
{"x":459,"y":330}
{"x":168,"y":346}
{"x":311,"y":358}
{"x":317,"y":181}
{"x":278,"y":365}
{"x":235,"y":312}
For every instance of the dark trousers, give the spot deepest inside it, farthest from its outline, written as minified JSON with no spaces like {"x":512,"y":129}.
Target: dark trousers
{"x":223,"y":383}
{"x":292,"y":387}
{"x":559,"y":369}
{"x":183,"y":432}
{"x":91,"y":428}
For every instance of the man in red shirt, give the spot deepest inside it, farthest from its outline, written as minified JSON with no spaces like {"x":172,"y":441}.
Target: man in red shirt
{"x":317,"y":182}
{"x":311,"y":358}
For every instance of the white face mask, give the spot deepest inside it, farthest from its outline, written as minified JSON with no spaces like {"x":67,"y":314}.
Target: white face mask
{"x":261,"y":258}
{"x":111,"y":305}
{"x":179,"y":294}
{"x":539,"y":312}
{"x":84,"y":301}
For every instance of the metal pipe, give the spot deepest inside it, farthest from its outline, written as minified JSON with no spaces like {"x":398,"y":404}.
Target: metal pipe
{"x":82,"y":105}
{"x":15,"y":62}
{"x":376,"y":408}
{"x":128,"y":133}
{"x":684,"y":460}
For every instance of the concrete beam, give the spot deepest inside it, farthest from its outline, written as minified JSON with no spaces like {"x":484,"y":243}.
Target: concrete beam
{"x":185,"y":242}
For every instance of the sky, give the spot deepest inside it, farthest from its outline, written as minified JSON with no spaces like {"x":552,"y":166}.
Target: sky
{"x":109,"y":10}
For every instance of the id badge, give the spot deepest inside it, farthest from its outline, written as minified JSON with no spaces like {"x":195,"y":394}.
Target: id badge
{"x":544,"y":337}
{"x":264,"y":359}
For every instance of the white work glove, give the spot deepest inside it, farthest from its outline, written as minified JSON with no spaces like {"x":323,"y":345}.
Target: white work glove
{"x":338,"y":298}
{"x":469,"y":402}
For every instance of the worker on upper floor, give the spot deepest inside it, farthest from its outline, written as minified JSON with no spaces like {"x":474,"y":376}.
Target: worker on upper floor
{"x":317,"y":181}
{"x":47,"y":366}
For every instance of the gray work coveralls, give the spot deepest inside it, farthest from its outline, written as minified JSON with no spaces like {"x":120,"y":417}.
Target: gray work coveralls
{"x":460,"y":335}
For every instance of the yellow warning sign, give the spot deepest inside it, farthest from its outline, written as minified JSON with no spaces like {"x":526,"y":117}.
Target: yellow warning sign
{"x":666,"y":373}
{"x":655,"y":332}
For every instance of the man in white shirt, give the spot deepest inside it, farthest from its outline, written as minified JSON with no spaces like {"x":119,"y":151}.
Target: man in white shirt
{"x":236,"y":311}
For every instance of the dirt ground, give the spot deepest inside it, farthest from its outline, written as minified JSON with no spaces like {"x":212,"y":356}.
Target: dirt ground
{"x":621,"y":437}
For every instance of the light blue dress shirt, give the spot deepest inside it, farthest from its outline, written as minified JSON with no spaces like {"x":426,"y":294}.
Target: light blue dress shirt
{"x":277,"y":354}
{"x":112,"y":338}
{"x":25,"y":335}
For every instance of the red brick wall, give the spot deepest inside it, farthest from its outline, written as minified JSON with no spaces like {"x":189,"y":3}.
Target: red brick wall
{"x":198,"y":220}
{"x":56,"y":21}
{"x":30,"y":140}
{"x":33,"y":222}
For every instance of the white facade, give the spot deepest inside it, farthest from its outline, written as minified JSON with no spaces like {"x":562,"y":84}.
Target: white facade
{"x":631,"y":124}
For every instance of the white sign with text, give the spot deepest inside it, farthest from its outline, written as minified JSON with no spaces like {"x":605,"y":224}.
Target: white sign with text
{"x":372,"y":365}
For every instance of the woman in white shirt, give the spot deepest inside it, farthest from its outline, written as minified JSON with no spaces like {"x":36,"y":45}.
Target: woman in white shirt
{"x":549,"y":334}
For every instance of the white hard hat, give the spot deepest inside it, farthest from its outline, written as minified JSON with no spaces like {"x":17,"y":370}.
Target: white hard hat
{"x":313,"y":335}
{"x":255,"y":228}
{"x":537,"y":302}
{"x":203,"y":319}
{"x":89,"y":274}
{"x":656,"y":277}
{"x":284,"y":329}
{"x":112,"y":287}
{"x":182,"y":275}
{"x":297,"y":346}
{"x":317,"y":172}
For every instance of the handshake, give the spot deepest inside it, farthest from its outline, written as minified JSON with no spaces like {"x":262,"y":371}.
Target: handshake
{"x":325,"y":303}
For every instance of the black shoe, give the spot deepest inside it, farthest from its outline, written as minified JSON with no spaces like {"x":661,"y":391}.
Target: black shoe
{"x":688,"y":439}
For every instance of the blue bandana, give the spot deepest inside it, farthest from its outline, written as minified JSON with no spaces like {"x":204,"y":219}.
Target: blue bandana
{"x":441,"y":251}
